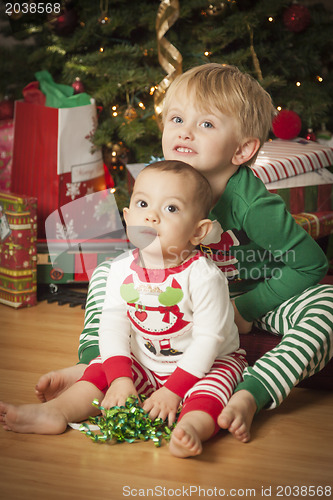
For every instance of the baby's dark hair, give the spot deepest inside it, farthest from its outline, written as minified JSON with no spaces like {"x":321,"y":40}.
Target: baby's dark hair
{"x":204,"y":195}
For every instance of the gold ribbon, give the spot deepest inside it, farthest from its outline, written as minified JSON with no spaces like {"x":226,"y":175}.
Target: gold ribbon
{"x":168,"y":56}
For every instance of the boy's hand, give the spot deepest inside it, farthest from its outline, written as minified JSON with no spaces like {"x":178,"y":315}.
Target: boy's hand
{"x":120,"y":389}
{"x":241,"y":323}
{"x":162,"y":403}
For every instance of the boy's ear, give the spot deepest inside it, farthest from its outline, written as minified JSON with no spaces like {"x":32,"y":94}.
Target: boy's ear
{"x":246,"y":150}
{"x":203,"y":227}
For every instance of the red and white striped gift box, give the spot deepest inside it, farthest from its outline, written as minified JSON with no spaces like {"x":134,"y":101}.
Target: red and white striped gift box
{"x":279,"y":159}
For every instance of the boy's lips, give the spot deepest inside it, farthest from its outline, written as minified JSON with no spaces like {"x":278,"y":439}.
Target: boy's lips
{"x":184,"y":149}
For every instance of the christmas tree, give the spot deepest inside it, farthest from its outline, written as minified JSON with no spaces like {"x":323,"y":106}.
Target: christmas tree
{"x":113,"y":51}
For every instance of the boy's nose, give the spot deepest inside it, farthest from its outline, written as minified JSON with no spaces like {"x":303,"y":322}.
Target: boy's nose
{"x":186,"y":133}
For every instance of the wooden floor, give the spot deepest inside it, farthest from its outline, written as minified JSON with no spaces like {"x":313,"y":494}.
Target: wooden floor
{"x":290,"y":455}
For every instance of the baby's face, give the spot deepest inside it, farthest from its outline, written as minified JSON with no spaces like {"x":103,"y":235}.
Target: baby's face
{"x":162,"y":215}
{"x":207,"y":140}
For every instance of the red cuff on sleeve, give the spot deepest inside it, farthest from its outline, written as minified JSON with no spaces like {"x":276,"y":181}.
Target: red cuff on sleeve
{"x":117,"y":366}
{"x":180,"y":382}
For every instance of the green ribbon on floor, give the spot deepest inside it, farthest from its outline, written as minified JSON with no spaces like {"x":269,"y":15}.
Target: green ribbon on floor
{"x":127,"y":423}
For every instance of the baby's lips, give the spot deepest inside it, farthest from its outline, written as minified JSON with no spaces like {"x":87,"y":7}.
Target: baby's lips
{"x":141,"y":236}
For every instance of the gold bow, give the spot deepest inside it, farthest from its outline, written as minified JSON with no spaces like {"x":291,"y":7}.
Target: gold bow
{"x":168,"y":56}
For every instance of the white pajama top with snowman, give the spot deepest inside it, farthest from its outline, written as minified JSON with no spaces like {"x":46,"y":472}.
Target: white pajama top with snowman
{"x":175,"y":321}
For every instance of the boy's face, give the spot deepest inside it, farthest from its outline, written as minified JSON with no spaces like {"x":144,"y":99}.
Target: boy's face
{"x":207,"y":140}
{"x":162,"y":215}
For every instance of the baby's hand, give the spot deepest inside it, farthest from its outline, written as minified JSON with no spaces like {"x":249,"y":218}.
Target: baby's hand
{"x":116,"y":395}
{"x":162,"y":404}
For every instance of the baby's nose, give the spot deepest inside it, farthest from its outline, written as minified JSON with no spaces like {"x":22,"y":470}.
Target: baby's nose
{"x":152,"y":217}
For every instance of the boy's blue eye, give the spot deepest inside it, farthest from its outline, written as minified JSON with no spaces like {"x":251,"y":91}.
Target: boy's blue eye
{"x":207,"y":125}
{"x":177,"y":119}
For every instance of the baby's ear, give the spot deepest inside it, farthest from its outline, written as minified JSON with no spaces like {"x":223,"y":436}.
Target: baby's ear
{"x":245,"y":151}
{"x":125,"y":213}
{"x":202,"y":228}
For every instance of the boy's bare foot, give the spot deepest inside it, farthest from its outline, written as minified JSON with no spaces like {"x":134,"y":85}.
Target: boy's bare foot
{"x":50,"y":385}
{"x":237,"y":416}
{"x":32,"y":419}
{"x":185,"y":441}
{"x":191,"y":431}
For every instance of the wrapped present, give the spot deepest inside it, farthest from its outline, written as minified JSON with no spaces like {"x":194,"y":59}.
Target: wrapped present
{"x":52,"y":157}
{"x":52,"y":153}
{"x":317,"y":224}
{"x":280,"y":159}
{"x":18,"y":255}
{"x":6,"y":153}
{"x":310,"y":192}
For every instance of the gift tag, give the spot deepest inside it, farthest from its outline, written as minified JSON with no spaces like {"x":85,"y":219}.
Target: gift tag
{"x":5,"y":230}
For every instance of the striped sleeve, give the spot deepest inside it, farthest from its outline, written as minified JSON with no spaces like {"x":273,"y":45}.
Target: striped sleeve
{"x":88,"y":346}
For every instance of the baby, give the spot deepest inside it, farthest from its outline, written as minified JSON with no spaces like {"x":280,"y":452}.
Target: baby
{"x":167,"y":326}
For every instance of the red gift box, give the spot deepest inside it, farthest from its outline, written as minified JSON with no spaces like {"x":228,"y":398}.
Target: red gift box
{"x":18,"y":255}
{"x":52,"y":156}
{"x":318,"y":224}
{"x":280,"y":159}
{"x":6,"y":153}
{"x":310,"y":192}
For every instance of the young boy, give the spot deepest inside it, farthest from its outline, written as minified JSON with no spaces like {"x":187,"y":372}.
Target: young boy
{"x":216,"y":118}
{"x":167,"y":326}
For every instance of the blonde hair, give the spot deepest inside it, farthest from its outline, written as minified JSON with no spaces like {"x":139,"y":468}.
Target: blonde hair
{"x":233,"y":93}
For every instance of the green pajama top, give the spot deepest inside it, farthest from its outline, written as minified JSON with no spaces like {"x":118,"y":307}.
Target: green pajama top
{"x":271,"y":258}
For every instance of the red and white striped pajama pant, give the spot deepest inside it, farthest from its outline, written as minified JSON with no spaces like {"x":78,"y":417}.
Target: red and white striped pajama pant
{"x":210,"y":394}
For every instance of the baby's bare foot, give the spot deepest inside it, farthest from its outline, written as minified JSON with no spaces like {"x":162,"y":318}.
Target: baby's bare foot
{"x":185,"y":441}
{"x":237,"y":416}
{"x":50,"y":385}
{"x":32,"y":419}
